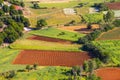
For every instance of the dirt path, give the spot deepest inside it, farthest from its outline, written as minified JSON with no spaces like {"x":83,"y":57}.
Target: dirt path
{"x":51,"y":58}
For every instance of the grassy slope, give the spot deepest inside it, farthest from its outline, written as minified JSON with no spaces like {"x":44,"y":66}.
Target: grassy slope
{"x":42,"y":45}
{"x":111,"y":47}
{"x":110,"y":35}
{"x":54,"y":33}
{"x":47,"y":73}
{"x":6,"y":58}
{"x":60,"y":5}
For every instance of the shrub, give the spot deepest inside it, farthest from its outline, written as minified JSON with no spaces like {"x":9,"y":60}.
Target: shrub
{"x":117,"y":23}
{"x":93,"y":18}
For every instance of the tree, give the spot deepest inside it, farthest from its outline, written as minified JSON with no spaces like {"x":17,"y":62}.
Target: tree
{"x":36,"y":6}
{"x":109,"y":17}
{"x":22,"y":4}
{"x":1,"y":1}
{"x":5,"y":8}
{"x":28,"y":67}
{"x":35,"y":66}
{"x":86,"y":66}
{"x":1,"y":24}
{"x":41,"y":23}
{"x":1,"y":12}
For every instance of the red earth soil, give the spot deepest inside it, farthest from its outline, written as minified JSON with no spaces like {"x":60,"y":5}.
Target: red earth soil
{"x":108,"y":73}
{"x":51,"y":58}
{"x":43,"y":38}
{"x":114,"y":6}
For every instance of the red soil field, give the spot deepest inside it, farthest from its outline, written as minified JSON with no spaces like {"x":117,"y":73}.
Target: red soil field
{"x":108,"y":73}
{"x":51,"y":58}
{"x":114,"y":6}
{"x":43,"y":38}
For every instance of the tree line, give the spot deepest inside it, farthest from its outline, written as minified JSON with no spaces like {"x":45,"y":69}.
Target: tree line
{"x":12,"y":22}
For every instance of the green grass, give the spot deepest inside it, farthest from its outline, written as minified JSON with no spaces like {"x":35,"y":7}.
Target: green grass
{"x":42,"y":45}
{"x":47,"y":73}
{"x":6,"y":58}
{"x":55,"y":33}
{"x":110,"y":35}
{"x":60,"y":5}
{"x":111,"y":47}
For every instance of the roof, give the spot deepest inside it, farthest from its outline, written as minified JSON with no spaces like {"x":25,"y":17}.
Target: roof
{"x":18,"y":7}
{"x":113,"y":6}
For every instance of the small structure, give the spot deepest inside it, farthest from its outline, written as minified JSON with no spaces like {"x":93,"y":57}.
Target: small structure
{"x":69,"y":11}
{"x":93,"y":10}
{"x":18,"y":7}
{"x":26,"y":29}
{"x":115,"y":7}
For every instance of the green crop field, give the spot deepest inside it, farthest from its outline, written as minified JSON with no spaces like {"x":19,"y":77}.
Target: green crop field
{"x":43,"y":45}
{"x":110,"y":35}
{"x":111,"y":47}
{"x":60,"y":5}
{"x":6,"y":58}
{"x":56,"y":33}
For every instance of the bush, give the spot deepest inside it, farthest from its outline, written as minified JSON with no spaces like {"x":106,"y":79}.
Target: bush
{"x":93,"y":18}
{"x":117,"y":23}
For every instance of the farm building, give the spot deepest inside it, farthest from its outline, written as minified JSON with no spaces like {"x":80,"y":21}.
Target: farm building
{"x":18,"y":7}
{"x":115,"y":7}
{"x":69,"y":11}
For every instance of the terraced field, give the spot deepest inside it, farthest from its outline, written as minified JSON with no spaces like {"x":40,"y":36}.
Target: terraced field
{"x":56,"y":33}
{"x":110,"y":35}
{"x":51,"y":58}
{"x":111,"y":47}
{"x":108,"y":73}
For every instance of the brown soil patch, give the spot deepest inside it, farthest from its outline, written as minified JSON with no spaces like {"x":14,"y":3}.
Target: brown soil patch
{"x":114,"y":6}
{"x":51,"y":58}
{"x":108,"y":73}
{"x":48,"y":39}
{"x":82,"y":28}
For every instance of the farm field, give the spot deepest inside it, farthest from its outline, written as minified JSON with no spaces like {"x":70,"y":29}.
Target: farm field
{"x":6,"y":57}
{"x":60,"y":5}
{"x":25,"y":44}
{"x":80,"y":28}
{"x":56,"y":33}
{"x":108,"y":73}
{"x":110,"y":35}
{"x":51,"y":58}
{"x":53,"y":73}
{"x":110,"y":47}
{"x":48,"y":39}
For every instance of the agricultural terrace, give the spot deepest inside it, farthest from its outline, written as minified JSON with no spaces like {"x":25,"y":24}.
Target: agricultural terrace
{"x":6,"y":58}
{"x":46,"y":73}
{"x":25,"y":44}
{"x":110,"y":35}
{"x":60,"y":5}
{"x":110,"y":47}
{"x":57,"y":33}
{"x":108,"y":73}
{"x":51,"y":58}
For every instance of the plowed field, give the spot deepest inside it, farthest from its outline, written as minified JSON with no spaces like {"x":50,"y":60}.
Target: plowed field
{"x":43,"y":38}
{"x":114,"y":6}
{"x":51,"y":58}
{"x":109,"y":73}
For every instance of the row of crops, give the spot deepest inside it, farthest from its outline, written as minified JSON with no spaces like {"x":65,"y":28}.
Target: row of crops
{"x":111,"y":47}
